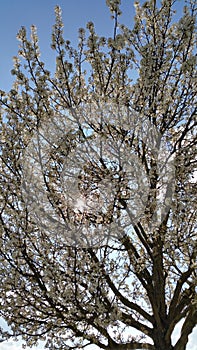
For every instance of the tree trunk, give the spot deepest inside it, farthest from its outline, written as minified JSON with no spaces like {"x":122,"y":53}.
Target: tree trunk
{"x":160,"y":342}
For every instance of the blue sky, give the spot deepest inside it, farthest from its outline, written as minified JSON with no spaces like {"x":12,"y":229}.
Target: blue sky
{"x":76,"y":13}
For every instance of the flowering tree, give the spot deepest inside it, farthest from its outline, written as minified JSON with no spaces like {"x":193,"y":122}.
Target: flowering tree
{"x":98,"y":185}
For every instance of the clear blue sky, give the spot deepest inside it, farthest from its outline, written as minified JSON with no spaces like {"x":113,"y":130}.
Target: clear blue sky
{"x":76,"y":13}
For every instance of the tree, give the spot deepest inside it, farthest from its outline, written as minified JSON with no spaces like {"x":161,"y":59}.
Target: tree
{"x":98,"y":185}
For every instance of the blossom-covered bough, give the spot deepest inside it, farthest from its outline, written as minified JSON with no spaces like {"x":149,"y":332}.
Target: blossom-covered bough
{"x":97,"y":187}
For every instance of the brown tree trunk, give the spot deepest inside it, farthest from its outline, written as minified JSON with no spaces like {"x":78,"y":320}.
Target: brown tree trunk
{"x":160,"y":342}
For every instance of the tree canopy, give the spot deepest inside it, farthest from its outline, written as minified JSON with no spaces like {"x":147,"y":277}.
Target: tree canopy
{"x":97,"y":187}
